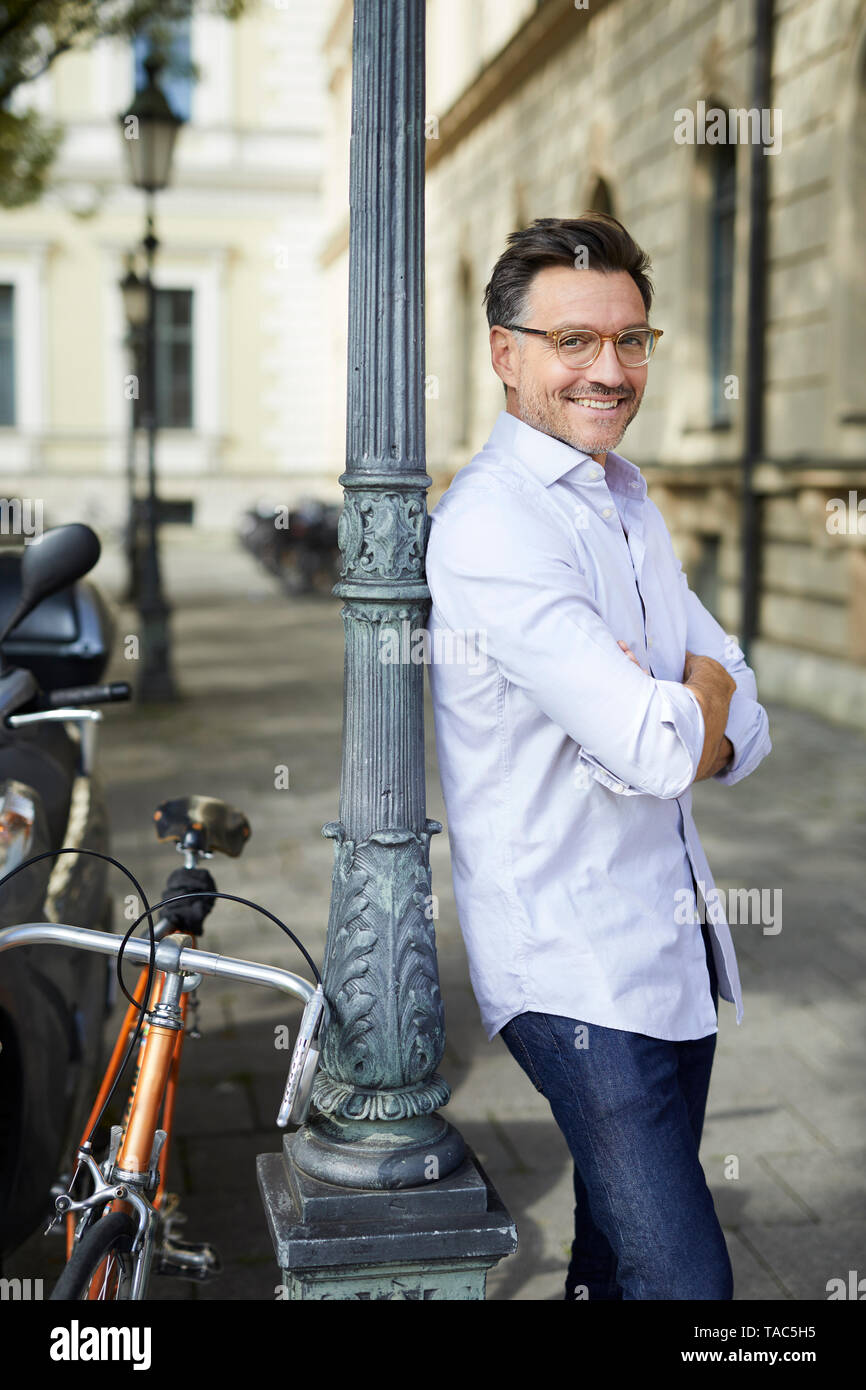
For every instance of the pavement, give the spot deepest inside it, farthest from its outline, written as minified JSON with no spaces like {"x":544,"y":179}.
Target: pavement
{"x":262,"y":684}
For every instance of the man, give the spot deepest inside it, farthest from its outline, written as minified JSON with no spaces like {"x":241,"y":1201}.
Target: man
{"x":589,"y":688}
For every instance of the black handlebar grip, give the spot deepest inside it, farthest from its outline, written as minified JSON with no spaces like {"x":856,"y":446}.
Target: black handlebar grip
{"x":89,"y":695}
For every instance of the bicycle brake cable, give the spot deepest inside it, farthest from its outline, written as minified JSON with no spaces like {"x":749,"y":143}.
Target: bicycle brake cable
{"x":148,"y":913}
{"x":233,"y":898}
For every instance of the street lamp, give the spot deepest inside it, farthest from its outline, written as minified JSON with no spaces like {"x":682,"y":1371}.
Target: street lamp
{"x":133,"y":289}
{"x":135,"y":297}
{"x":377,"y":1195}
{"x":149,"y":130}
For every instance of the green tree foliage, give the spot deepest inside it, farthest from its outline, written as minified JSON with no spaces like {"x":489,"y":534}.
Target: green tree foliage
{"x":33,"y":35}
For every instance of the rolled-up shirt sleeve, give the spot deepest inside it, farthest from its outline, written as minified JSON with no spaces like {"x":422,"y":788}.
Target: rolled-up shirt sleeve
{"x":748,"y":724}
{"x":500,"y":570}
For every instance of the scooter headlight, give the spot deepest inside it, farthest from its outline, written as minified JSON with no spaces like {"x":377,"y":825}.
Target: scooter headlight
{"x":17,"y":824}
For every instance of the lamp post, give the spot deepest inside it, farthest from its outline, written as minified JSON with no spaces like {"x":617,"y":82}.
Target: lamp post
{"x":378,"y":1196}
{"x":135,"y":306}
{"x":149,"y":129}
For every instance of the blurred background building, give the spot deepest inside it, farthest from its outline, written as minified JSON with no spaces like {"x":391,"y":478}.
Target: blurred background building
{"x":535,"y":108}
{"x":543,"y":108}
{"x":241,"y":389}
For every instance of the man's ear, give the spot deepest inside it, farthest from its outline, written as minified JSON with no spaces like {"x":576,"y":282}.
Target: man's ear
{"x":505,"y":356}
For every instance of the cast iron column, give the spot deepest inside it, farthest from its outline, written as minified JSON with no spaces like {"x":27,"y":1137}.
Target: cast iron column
{"x":341,"y":1229}
{"x":378,"y":1090}
{"x":156,"y":681}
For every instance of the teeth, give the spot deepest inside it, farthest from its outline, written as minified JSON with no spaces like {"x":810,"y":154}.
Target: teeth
{"x":598,"y":405}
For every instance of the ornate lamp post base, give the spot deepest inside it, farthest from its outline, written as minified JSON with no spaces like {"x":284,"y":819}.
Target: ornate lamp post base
{"x":367,"y":1153}
{"x":433,"y":1242}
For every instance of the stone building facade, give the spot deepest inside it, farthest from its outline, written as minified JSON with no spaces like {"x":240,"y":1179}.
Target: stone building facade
{"x":547,"y":108}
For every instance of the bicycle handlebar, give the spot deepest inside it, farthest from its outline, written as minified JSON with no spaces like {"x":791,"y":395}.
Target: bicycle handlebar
{"x":168,"y":955}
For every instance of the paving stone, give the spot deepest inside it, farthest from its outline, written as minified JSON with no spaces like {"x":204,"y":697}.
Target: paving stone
{"x":805,"y":1259}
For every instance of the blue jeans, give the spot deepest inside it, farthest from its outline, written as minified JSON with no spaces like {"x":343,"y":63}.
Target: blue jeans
{"x":631,"y":1109}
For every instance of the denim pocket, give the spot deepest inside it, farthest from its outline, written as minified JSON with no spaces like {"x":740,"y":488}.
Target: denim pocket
{"x":519,"y":1051}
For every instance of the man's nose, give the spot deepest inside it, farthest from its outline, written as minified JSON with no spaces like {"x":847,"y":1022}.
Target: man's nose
{"x":606,"y":370}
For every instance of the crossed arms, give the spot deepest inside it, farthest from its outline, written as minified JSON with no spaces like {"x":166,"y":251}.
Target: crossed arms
{"x":506,"y":572}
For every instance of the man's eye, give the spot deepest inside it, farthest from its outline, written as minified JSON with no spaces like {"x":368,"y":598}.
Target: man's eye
{"x":576,"y":340}
{"x":632,"y":340}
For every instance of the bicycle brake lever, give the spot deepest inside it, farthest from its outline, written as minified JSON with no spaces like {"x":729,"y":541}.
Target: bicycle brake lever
{"x":304,"y":1064}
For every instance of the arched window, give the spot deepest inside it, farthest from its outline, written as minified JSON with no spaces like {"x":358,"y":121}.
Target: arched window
{"x":520,"y":215}
{"x":465,"y":325}
{"x":601,"y":198}
{"x":712,"y":288}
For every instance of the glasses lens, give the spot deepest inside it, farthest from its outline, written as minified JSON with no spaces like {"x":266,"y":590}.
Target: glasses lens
{"x":578,"y":346}
{"x":635,"y":347}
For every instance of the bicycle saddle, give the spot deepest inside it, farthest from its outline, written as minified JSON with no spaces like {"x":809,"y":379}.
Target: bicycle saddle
{"x":213,"y":823}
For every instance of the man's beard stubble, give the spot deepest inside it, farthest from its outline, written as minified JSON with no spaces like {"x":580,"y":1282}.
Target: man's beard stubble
{"x":535,"y":408}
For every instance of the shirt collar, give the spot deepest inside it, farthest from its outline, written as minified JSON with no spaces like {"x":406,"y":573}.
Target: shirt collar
{"x":550,"y":459}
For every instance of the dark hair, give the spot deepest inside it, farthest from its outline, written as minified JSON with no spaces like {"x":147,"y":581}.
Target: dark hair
{"x":555,"y":241}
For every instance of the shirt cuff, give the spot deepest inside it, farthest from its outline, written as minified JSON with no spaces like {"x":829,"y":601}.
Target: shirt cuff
{"x":748,"y":730}
{"x":685,"y":716}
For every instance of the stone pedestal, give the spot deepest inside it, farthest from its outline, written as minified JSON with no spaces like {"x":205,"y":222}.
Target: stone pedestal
{"x":431,"y":1242}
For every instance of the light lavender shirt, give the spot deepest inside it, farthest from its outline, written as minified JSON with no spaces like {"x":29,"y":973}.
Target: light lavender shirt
{"x":565,"y":769}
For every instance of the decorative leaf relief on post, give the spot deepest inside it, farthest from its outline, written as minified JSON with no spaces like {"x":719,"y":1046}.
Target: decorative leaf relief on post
{"x":386,"y":1033}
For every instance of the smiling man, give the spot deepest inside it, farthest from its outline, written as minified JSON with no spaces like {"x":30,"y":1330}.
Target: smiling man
{"x":567,"y":756}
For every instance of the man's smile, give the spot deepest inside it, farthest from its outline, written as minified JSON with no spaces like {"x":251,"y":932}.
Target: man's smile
{"x":610,"y":404}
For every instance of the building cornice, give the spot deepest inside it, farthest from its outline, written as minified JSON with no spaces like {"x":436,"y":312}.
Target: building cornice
{"x":554,"y":25}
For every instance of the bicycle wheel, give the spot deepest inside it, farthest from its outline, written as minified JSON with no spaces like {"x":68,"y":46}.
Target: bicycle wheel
{"x":100,"y":1266}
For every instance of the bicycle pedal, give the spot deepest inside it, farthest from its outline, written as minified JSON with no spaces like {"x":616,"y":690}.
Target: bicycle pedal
{"x":186,"y":1259}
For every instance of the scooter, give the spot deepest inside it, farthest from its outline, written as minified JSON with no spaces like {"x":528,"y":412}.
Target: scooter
{"x":301,"y":549}
{"x":56,"y":633}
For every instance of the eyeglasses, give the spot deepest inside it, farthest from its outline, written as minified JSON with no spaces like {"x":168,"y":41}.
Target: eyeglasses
{"x":579,"y":347}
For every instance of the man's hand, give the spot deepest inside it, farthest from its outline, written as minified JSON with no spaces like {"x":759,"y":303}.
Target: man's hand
{"x":630,"y":654}
{"x":713,"y":687}
{"x":725,"y":756}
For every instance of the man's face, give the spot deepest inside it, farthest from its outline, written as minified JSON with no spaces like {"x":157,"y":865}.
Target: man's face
{"x":589,"y":408}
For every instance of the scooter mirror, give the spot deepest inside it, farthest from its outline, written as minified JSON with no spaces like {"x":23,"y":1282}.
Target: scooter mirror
{"x":60,"y":557}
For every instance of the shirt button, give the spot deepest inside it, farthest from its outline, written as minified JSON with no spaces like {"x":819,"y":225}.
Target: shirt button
{"x":608,"y":511}
{"x":634,"y":484}
{"x":649,"y":642}
{"x":596,"y":473}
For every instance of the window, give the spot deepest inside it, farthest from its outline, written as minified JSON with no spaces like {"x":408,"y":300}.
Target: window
{"x":173,"y":42}
{"x":721,"y":287}
{"x":466,"y":311}
{"x":601,"y":198}
{"x":174,"y":361}
{"x":705,"y":574}
{"x":7,"y":355}
{"x":849,"y":300}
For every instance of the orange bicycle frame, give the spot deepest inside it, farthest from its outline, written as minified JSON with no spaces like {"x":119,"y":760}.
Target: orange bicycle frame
{"x":154,"y":1089}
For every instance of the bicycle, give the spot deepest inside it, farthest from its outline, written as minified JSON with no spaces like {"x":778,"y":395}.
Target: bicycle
{"x":123,"y":1231}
